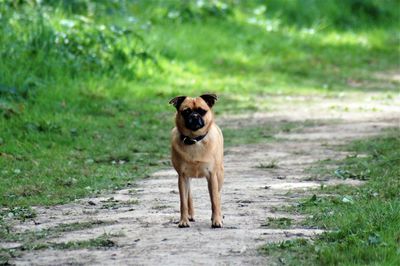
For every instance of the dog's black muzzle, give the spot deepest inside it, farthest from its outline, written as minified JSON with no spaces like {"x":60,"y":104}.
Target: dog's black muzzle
{"x":194,"y":121}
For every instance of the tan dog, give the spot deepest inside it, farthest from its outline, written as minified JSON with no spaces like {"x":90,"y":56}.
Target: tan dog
{"x":197,"y":151}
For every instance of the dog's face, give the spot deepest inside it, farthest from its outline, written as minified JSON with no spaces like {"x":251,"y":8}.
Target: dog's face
{"x":194,"y":115}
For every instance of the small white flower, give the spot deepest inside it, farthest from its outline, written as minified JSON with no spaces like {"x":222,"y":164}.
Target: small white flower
{"x":67,"y":23}
{"x":259,"y":10}
{"x":347,"y":199}
{"x":173,"y":14}
{"x":17,"y":171}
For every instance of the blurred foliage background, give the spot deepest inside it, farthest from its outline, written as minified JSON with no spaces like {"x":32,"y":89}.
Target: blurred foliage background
{"x":84,"y":85}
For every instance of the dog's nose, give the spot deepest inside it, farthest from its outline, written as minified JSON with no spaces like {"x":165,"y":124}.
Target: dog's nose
{"x":194,"y":122}
{"x":195,"y":117}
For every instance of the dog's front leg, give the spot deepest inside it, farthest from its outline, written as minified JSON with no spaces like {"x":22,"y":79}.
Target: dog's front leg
{"x":215,"y":196}
{"x":183,"y":193}
{"x":190,"y":201}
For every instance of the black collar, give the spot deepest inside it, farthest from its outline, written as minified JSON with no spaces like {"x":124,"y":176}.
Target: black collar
{"x":190,"y":141}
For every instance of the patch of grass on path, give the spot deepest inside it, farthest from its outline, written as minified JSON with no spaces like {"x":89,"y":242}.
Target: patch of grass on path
{"x":30,"y":236}
{"x":39,"y":239}
{"x":363,"y":222}
{"x":278,"y":223}
{"x":101,"y":242}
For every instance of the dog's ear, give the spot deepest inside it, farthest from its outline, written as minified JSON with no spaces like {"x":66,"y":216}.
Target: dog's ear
{"x":177,"y":101}
{"x":210,"y":99}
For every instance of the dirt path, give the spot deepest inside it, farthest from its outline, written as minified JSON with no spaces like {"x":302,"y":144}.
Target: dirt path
{"x":141,"y":222}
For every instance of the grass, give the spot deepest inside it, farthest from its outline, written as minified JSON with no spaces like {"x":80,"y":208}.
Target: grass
{"x":278,"y":223}
{"x":84,"y":85}
{"x":102,"y":242}
{"x":362,"y":222}
{"x":112,"y":203}
{"x":270,"y":165}
{"x":29,"y":236}
{"x":39,"y":239}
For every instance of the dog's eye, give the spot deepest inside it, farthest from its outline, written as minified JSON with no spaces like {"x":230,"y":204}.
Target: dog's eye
{"x":201,"y":111}
{"x":186,"y":112}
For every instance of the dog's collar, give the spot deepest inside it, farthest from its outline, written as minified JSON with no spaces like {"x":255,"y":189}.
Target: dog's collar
{"x":190,"y":141}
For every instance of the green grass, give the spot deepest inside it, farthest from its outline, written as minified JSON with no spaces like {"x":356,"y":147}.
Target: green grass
{"x":102,"y":242}
{"x":30,"y":236}
{"x":85,"y":85}
{"x":278,"y":223}
{"x":39,"y":239}
{"x":362,"y":222}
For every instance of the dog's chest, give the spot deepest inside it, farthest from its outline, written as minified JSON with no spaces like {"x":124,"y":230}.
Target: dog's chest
{"x":196,"y":169}
{"x":197,"y":161}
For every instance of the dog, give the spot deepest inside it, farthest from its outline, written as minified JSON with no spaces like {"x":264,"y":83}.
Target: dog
{"x":197,"y":150}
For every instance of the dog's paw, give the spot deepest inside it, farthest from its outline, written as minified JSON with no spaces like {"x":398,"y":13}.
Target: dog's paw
{"x":191,"y":219}
{"x":183,"y":223}
{"x":216,"y":223}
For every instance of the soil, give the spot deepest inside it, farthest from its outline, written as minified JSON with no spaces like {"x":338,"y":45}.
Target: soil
{"x":143,"y":219}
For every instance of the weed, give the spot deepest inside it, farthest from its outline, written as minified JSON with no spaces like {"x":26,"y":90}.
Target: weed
{"x":36,"y":239}
{"x":344,"y":174}
{"x":161,"y":207}
{"x":102,"y":241}
{"x":112,"y":203}
{"x":18,"y":213}
{"x":281,"y":222}
{"x":30,"y":236}
{"x":270,"y":165}
{"x":286,"y":252}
